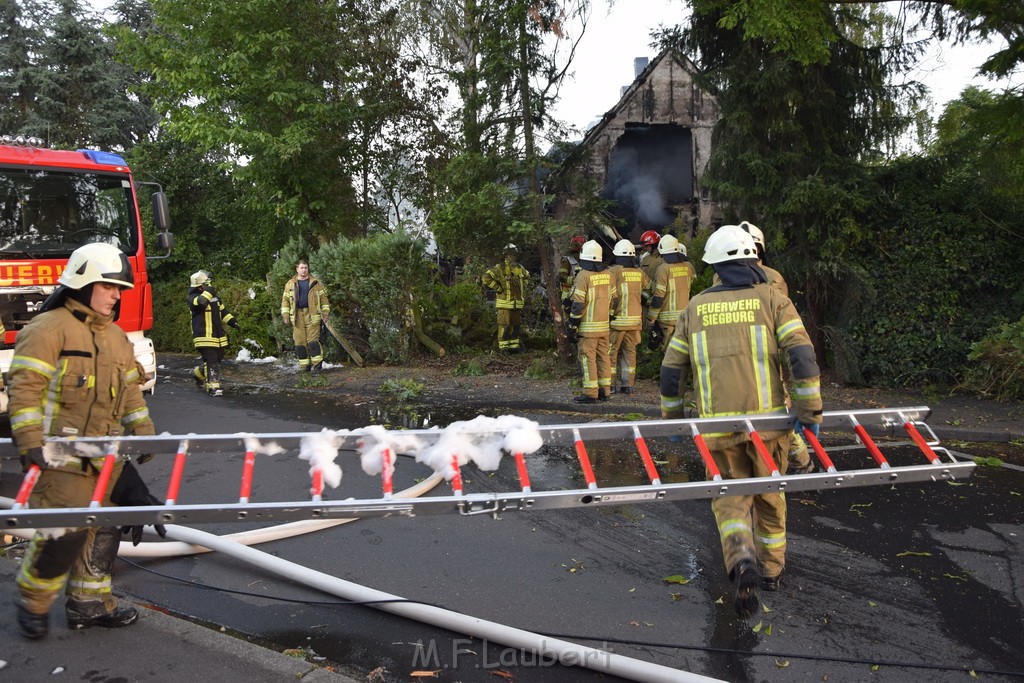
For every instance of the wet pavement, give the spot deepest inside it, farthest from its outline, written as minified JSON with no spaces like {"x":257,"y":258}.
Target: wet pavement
{"x":908,"y":582}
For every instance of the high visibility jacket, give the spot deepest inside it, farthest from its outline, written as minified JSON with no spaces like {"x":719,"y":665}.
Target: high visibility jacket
{"x":630,"y":284}
{"x":775,"y":279}
{"x":74,"y":374}
{"x":729,"y":342}
{"x":670,"y":292}
{"x":591,"y":297}
{"x":509,"y":281}
{"x":208,"y":318}
{"x":317,"y":300}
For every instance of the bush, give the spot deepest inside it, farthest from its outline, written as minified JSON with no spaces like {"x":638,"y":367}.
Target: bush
{"x":997,"y":363}
{"x":402,"y":389}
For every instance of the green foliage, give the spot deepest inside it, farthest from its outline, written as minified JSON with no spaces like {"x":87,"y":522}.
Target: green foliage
{"x":373,"y":283}
{"x":469,"y":368}
{"x":402,"y":389}
{"x":457,"y":316}
{"x":997,"y":363}
{"x":540,"y":368}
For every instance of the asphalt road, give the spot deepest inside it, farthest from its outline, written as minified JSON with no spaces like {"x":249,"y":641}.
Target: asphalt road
{"x":920,"y":581}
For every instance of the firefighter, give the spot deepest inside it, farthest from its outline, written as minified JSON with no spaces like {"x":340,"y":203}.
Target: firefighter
{"x":592,"y":300}
{"x":650,"y":259}
{"x":669,"y":291}
{"x":800,"y":461}
{"x":209,"y":316}
{"x":304,"y":305}
{"x":569,"y":268}
{"x":627,"y":317}
{"x":729,"y":343}
{"x":509,"y":281}
{"x":74,"y":374}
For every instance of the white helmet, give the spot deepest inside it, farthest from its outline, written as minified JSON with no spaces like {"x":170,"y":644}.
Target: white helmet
{"x":97,"y":262}
{"x":511,"y":247}
{"x":591,"y":251}
{"x":199,"y":278}
{"x":624,"y":248}
{"x":755,"y":232}
{"x":670,"y":245}
{"x":729,"y":243}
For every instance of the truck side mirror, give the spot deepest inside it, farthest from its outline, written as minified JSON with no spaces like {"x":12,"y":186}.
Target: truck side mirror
{"x":165,"y":241}
{"x":161,"y":214}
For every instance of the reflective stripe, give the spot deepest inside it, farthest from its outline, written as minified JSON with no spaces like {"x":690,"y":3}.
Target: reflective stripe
{"x":667,"y":402}
{"x":25,"y":417}
{"x":132,"y":375}
{"x":728,"y":527}
{"x":699,"y":342}
{"x":135,"y":417}
{"x":762,"y":373}
{"x":27,"y":580}
{"x":788,"y":329}
{"x":33,"y":364}
{"x":771,"y":540}
{"x":680,"y":345}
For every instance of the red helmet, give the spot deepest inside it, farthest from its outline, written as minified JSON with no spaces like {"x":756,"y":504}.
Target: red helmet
{"x":650,"y":238}
{"x":577,"y":242}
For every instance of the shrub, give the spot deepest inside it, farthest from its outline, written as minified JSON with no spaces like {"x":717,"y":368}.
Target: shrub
{"x":402,"y":389}
{"x":997,"y":363}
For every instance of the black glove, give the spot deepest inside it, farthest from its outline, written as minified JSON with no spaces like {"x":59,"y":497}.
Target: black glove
{"x":654,"y":340}
{"x":130,"y":490}
{"x":144,"y":458}
{"x":233,"y":323}
{"x":572,"y":334}
{"x":33,"y":456}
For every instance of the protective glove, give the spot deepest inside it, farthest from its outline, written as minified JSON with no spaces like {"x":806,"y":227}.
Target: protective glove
{"x":233,"y":323}
{"x":654,"y":340}
{"x":130,"y":490}
{"x":572,"y":334}
{"x":144,"y":458}
{"x":33,"y":456}
{"x":799,"y":428}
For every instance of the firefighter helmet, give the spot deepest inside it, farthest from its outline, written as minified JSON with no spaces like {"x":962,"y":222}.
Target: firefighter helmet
{"x":670,"y":245}
{"x":729,"y":243}
{"x":650,"y":238}
{"x":755,"y":232}
{"x":97,"y":262}
{"x":199,"y":278}
{"x":591,"y":251}
{"x":511,"y":247}
{"x":624,"y":248}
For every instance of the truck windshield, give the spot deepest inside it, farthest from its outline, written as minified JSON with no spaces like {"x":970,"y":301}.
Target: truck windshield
{"x":48,"y":213}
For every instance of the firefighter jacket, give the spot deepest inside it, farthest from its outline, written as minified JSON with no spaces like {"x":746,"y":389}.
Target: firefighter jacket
{"x":670,"y":292}
{"x":316,"y":300}
{"x":508,"y":279}
{"x":729,"y":342}
{"x":592,"y":301}
{"x":630,"y":284}
{"x":208,"y":318}
{"x":649,"y":263}
{"x":775,"y":279}
{"x":74,"y":374}
{"x":567,"y":271}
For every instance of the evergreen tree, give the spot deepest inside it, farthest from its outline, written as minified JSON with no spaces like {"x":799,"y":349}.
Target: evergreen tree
{"x":20,"y":37}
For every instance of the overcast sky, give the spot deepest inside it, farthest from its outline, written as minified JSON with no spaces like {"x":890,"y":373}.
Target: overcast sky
{"x":604,"y":59}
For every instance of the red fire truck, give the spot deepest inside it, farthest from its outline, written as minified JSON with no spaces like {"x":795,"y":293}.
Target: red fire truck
{"x":51,"y":203}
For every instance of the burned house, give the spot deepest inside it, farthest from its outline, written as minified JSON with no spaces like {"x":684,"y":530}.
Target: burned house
{"x":650,"y":150}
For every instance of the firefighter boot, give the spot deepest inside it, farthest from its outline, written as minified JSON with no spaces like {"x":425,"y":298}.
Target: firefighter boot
{"x":745,"y":575}
{"x":123,"y":615}
{"x":602,"y":394}
{"x":771,"y":583}
{"x":32,"y":626}
{"x":199,"y":376}
{"x":583,"y":398}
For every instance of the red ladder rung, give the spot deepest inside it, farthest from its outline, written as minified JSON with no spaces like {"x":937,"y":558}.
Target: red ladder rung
{"x":869,"y":444}
{"x":705,"y":454}
{"x":457,"y":476}
{"x":247,"y":467}
{"x":762,"y":450}
{"x":524,"y":476}
{"x":27,"y":484}
{"x":100,"y":492}
{"x":819,"y":451}
{"x":581,"y":453}
{"x":177,"y":471}
{"x":921,"y":443}
{"x":645,"y":455}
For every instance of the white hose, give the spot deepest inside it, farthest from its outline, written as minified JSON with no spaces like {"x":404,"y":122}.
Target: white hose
{"x":192,"y":541}
{"x":563,"y":651}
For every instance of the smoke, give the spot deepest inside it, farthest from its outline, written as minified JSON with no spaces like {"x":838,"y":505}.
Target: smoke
{"x":649,"y":169}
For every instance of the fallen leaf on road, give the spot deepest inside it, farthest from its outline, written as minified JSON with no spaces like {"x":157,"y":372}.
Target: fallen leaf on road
{"x":502,"y":673}
{"x":768,"y":631}
{"x":905,"y":553}
{"x":783,"y":664}
{"x":954,"y":576}
{"x":720,"y":601}
{"x":757,"y":629}
{"x":377,"y":674}
{"x":765,"y":608}
{"x":676,"y":578}
{"x":425,"y":674}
